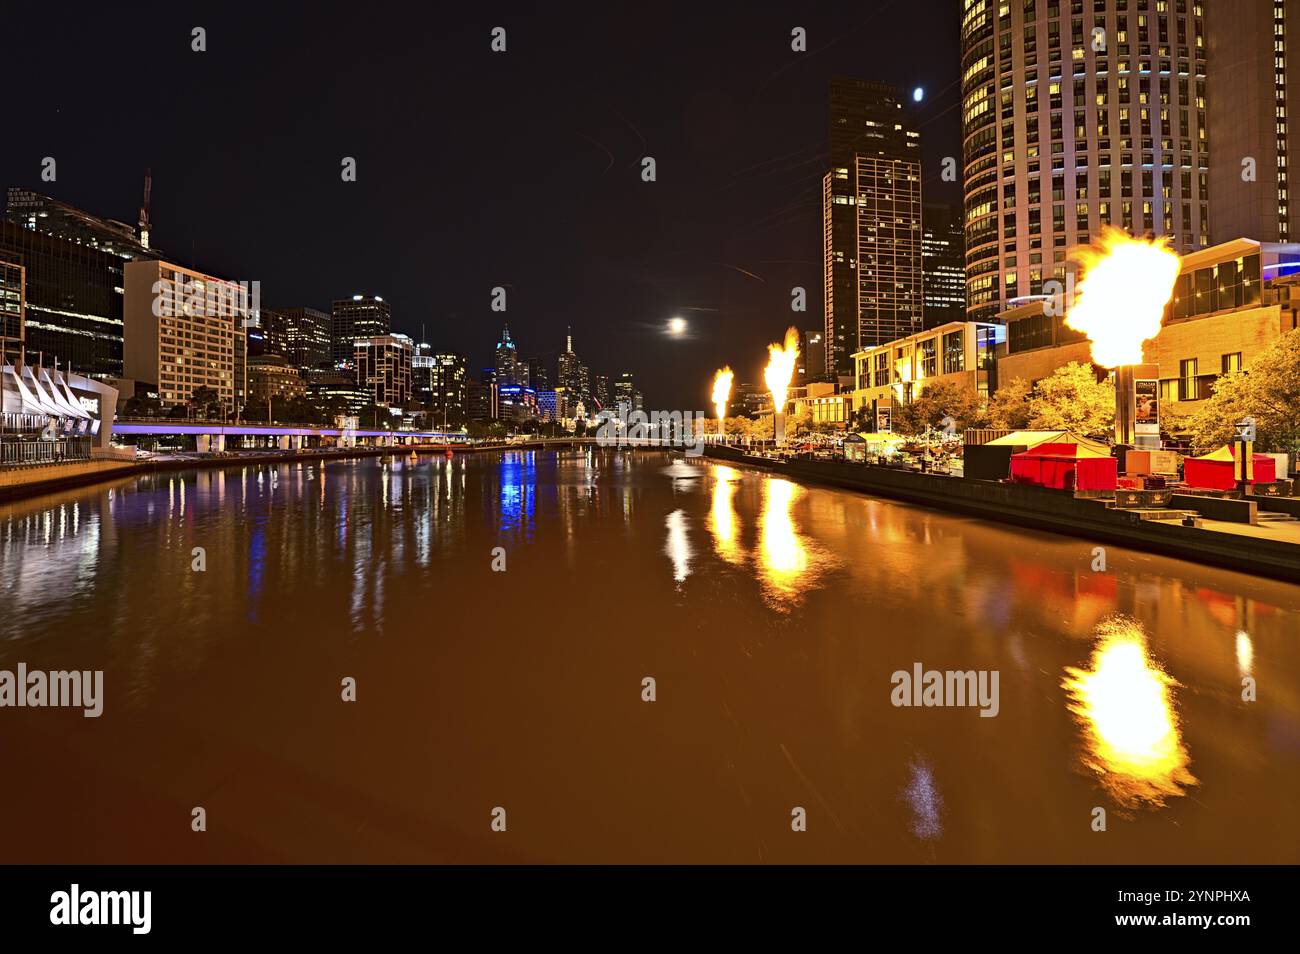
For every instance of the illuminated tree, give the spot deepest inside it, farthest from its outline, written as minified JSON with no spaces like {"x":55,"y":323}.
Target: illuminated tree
{"x":936,"y":404}
{"x":1072,"y":399}
{"x":1269,"y":391}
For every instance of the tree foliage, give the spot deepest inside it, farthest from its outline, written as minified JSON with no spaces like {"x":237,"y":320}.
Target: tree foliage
{"x":1009,"y":408}
{"x":1072,"y":399}
{"x":937,"y":403}
{"x":1268,"y":391}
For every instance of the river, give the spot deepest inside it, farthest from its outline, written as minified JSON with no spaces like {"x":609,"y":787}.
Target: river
{"x":497,"y":617}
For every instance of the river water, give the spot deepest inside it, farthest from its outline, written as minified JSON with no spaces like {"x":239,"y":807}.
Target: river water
{"x":499,"y":615}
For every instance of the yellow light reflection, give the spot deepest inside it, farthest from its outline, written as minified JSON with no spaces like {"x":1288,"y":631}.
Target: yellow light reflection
{"x":784,"y":557}
{"x":678,"y":547}
{"x":1131,"y":729}
{"x":1245,"y":653}
{"x":722,"y":517}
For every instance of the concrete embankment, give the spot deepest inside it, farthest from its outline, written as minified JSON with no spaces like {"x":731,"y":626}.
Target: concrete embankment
{"x":1041,"y":509}
{"x":30,"y":481}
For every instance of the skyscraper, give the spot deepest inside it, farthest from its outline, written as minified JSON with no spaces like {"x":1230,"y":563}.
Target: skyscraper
{"x":306,"y":337}
{"x":507,"y":360}
{"x":1074,"y":116}
{"x":1252,"y":76}
{"x":813,"y":355}
{"x":185,"y":331}
{"x":12,"y":316}
{"x":539,"y":376}
{"x":871,"y":222}
{"x":566,"y":365}
{"x":74,"y":280}
{"x":383,"y":367}
{"x":353,"y":319}
{"x":448,"y":380}
{"x":944,"y":264}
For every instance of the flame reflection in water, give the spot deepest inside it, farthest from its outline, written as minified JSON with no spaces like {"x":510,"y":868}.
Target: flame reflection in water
{"x":1130,"y":727}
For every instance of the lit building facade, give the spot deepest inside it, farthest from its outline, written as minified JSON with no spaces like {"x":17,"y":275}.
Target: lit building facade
{"x":1230,"y":302}
{"x":871,"y":222}
{"x":1078,"y":114}
{"x":270,"y":377}
{"x":355,"y":319}
{"x":1254,"y":79}
{"x":510,"y":370}
{"x":383,"y":368}
{"x":963,"y":353}
{"x":74,"y":282}
{"x":12,"y":312}
{"x":305,"y":338}
{"x":943,"y":257}
{"x":185,"y":330}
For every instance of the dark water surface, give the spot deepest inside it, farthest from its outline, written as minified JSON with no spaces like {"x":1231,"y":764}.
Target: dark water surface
{"x":771,"y":615}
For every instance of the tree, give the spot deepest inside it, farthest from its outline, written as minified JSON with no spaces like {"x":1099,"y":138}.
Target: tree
{"x":202,"y":399}
{"x":935,"y":404}
{"x":798,"y":425}
{"x":1009,"y":407}
{"x":1072,"y":399}
{"x":142,"y":407}
{"x":1269,"y":391}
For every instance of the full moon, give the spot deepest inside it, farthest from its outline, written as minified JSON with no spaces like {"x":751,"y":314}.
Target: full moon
{"x":677,"y":326}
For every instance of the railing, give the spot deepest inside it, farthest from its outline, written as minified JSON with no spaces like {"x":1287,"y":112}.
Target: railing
{"x":26,"y":453}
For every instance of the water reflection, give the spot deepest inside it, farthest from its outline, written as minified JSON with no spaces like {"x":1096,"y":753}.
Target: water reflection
{"x":678,"y":547}
{"x":784,"y":557}
{"x":1245,"y":653}
{"x":924,"y":801}
{"x":1130,"y":726}
{"x":723,"y":521}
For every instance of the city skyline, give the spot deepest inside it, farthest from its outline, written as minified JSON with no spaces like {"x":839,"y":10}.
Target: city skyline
{"x":434,"y":238}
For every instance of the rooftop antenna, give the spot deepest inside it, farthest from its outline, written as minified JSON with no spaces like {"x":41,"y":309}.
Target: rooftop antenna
{"x":144,"y":210}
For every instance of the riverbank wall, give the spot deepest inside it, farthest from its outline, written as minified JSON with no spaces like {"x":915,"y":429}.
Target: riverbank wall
{"x":1040,"y":509}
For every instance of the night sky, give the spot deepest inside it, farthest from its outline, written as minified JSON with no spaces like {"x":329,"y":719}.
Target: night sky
{"x":476,"y":168}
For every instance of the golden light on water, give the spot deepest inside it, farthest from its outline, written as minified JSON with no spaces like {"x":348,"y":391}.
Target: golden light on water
{"x":1122,"y":296}
{"x":722,"y":392}
{"x":1131,"y":729}
{"x":1245,"y":653}
{"x":784,"y":558}
{"x":722,"y":516}
{"x":780,"y":368}
{"x":678,"y":546}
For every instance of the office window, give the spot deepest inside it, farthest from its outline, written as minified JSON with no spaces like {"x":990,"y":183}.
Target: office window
{"x":954,"y":352}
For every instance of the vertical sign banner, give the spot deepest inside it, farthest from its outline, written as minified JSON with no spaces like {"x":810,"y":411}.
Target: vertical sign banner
{"x":1147,"y":418}
{"x":882,"y":420}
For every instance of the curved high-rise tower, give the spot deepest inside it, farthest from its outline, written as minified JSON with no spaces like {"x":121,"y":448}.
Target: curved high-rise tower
{"x":1077,"y":114}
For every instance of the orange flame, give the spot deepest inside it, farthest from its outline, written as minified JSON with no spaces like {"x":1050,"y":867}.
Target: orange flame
{"x":1126,"y":284}
{"x":780,"y":368}
{"x":722,"y":390}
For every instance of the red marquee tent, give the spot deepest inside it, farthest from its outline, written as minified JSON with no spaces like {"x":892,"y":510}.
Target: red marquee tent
{"x":1214,"y":471}
{"x":1065,"y":467}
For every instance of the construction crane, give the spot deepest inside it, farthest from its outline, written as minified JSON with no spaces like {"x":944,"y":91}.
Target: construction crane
{"x":144,"y":210}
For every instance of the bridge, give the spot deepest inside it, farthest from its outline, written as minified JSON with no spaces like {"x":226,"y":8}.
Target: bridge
{"x":211,"y":436}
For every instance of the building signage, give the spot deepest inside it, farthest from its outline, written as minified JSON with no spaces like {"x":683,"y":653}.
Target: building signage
{"x":1147,"y":418}
{"x":882,"y":419}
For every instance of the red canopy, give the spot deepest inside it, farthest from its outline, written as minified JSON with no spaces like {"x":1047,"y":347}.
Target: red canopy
{"x":1214,"y":471}
{"x":1059,"y":467}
